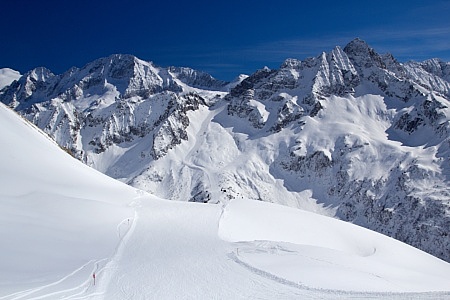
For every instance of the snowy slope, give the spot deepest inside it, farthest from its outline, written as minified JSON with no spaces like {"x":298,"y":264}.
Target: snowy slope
{"x":324,"y":253}
{"x":57,"y":215}
{"x":7,"y":76}
{"x":62,"y":221}
{"x":255,"y":250}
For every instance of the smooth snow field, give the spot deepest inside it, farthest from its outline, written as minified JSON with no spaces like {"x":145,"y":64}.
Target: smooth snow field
{"x":61,"y":222}
{"x":7,"y":76}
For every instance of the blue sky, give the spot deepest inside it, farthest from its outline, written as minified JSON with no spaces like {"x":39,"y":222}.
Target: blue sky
{"x":224,"y":38}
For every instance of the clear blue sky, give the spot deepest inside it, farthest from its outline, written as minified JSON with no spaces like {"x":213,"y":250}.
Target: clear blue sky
{"x":224,"y":38}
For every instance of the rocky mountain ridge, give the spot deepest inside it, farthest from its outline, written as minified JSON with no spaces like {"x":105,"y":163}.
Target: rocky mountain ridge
{"x":349,"y":133}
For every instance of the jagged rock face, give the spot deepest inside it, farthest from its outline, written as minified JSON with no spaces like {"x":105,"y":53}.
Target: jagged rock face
{"x":349,"y":133}
{"x":363,"y":56}
{"x":109,"y":103}
{"x":438,"y":68}
{"x":431,"y":114}
{"x":32,"y":85}
{"x":382,"y":72}
{"x":310,"y":80}
{"x":166,"y":127}
{"x":432,"y":74}
{"x":198,"y":79}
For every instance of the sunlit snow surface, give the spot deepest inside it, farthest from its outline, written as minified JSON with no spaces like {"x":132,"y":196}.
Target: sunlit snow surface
{"x":7,"y":76}
{"x":60,"y":222}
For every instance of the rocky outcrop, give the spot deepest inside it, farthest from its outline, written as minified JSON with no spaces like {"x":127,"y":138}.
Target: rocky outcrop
{"x":110,"y":102}
{"x":198,"y":79}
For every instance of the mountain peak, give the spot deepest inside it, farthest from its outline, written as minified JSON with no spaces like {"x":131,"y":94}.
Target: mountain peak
{"x":358,"y":47}
{"x":116,"y":66}
{"x":357,"y":42}
{"x":39,"y":74}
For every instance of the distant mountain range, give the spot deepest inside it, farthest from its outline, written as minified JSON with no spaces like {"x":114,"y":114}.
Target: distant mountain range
{"x":349,"y":133}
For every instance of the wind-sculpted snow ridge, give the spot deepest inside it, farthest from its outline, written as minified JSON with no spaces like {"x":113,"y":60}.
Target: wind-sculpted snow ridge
{"x":350,"y":133}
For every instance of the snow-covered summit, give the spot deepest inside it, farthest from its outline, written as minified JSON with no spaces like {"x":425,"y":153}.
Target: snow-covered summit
{"x":362,"y":55}
{"x":126,"y":76}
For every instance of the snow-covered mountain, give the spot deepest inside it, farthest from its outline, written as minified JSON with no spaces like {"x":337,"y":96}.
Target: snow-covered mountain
{"x":349,"y":133}
{"x":7,"y":76}
{"x":62,"y":222}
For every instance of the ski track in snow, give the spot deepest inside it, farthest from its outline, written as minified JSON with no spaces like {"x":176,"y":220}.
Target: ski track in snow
{"x":164,"y":253}
{"x":334,"y":294}
{"x":196,"y":268}
{"x":57,"y":289}
{"x":44,"y":290}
